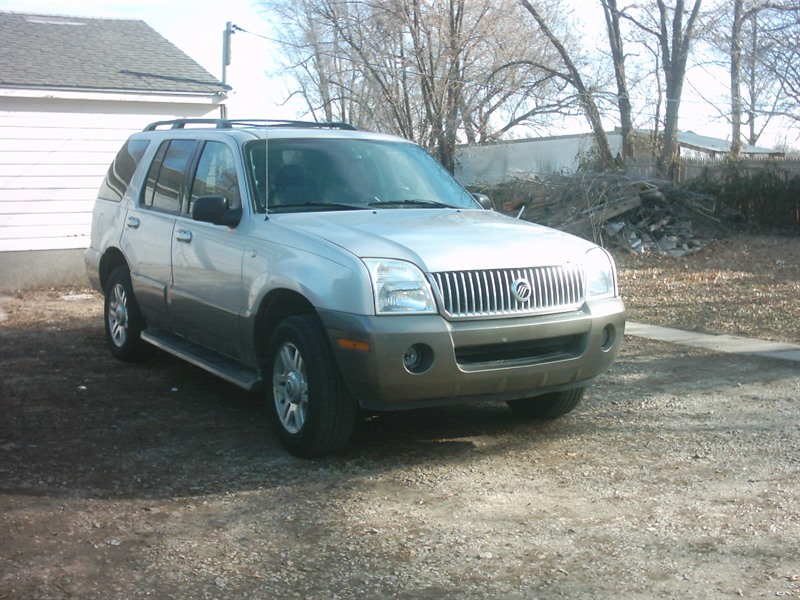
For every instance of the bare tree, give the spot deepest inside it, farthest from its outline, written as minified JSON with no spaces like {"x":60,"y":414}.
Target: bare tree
{"x":571,"y":75}
{"x":770,"y":46}
{"x":758,"y":41}
{"x":434,"y":71}
{"x":650,"y":21}
{"x":314,"y":55}
{"x":673,"y":27}
{"x":444,"y":71}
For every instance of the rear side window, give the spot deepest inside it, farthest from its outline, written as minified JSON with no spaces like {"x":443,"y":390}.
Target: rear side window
{"x":122,"y":169}
{"x":165,"y":181}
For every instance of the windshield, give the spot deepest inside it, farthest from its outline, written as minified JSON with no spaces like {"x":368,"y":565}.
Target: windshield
{"x":312,"y":174}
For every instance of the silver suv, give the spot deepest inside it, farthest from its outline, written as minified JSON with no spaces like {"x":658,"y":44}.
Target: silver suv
{"x":339,"y":270}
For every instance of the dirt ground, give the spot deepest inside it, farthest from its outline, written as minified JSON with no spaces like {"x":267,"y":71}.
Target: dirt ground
{"x":678,"y":477}
{"x":745,"y":285}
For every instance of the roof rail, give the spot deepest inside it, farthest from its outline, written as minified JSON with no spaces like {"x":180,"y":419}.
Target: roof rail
{"x":231,"y":123}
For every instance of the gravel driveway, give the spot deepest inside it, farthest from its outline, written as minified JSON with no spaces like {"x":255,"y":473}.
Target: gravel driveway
{"x":678,"y":477}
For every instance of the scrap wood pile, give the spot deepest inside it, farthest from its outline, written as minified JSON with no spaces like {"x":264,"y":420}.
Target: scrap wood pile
{"x":615,"y":210}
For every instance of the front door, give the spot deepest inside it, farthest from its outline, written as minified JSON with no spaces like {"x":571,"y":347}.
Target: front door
{"x":207,"y":297}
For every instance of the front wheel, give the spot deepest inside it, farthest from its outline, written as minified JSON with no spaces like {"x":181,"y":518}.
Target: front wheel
{"x":123,"y":319}
{"x":314,"y":414}
{"x":548,"y":406}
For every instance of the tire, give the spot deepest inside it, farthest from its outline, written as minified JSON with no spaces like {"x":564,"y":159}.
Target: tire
{"x":548,"y":406}
{"x":314,"y":415}
{"x":123,"y":319}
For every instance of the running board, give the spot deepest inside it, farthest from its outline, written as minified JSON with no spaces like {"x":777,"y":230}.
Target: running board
{"x":221,"y":366}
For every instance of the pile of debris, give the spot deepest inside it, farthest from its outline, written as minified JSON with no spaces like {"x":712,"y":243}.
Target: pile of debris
{"x":614,"y":210}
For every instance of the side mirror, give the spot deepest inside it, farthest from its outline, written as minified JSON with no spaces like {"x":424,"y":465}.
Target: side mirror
{"x":214,"y":209}
{"x":484,"y":200}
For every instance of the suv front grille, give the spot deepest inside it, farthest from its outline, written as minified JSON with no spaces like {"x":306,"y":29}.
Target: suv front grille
{"x":502,"y":292}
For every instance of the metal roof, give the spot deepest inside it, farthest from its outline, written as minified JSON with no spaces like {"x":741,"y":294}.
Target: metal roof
{"x":50,"y":52}
{"x":704,"y":143}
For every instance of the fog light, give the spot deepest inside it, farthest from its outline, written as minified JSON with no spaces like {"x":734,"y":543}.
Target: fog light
{"x":607,"y":340}
{"x":418,"y":358}
{"x":412,"y":358}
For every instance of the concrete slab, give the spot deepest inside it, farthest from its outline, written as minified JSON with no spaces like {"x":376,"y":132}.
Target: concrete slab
{"x":33,"y":269}
{"x":719,"y":343}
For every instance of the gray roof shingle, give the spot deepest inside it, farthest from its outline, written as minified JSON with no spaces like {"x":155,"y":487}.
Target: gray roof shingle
{"x":56,"y":52}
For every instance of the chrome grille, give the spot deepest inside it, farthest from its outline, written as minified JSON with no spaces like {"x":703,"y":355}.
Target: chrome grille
{"x":465,"y":294}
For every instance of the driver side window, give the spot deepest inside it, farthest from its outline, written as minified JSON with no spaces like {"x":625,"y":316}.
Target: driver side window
{"x":216,"y":175}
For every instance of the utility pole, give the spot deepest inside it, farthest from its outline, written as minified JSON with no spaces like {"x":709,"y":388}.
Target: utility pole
{"x":226,"y":60}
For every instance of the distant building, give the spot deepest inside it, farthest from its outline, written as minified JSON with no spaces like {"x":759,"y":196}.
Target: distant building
{"x":497,"y":162}
{"x":701,"y":146}
{"x":71,"y":91}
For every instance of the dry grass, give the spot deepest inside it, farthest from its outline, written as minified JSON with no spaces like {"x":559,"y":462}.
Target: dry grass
{"x":747,"y":285}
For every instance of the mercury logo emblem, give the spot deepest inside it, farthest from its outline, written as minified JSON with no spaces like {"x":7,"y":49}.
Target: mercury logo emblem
{"x":521,"y":289}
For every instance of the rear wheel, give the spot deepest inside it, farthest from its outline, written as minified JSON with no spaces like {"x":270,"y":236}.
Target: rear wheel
{"x":123,"y":319}
{"x":313,"y":413}
{"x":548,"y":406}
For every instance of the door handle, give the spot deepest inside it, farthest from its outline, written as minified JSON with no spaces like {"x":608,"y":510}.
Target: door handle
{"x":132,"y":222}
{"x":182,"y":235}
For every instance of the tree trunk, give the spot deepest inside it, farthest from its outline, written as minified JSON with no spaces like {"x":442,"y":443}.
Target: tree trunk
{"x":736,"y":70}
{"x":675,"y":47}
{"x":751,"y":113}
{"x":618,"y":56}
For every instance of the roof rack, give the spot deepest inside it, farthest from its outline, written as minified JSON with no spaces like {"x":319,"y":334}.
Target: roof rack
{"x":232,"y":123}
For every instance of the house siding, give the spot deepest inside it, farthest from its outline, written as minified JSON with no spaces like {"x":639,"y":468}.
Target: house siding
{"x":72,"y":89}
{"x":53,"y":156}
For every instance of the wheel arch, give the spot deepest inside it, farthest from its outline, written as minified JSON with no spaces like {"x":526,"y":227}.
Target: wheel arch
{"x":274,"y":308}
{"x":112,"y":258}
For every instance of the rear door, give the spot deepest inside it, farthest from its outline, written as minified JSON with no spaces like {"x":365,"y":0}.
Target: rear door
{"x":147,"y":236}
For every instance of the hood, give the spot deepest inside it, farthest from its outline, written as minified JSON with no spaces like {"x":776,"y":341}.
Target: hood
{"x":442,"y":239}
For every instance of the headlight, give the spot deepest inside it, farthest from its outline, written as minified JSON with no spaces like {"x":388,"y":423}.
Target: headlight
{"x":399,"y":287}
{"x":601,"y":280}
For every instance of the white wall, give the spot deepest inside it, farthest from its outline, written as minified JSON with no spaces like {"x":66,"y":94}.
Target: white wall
{"x":502,"y":161}
{"x":54,"y":154}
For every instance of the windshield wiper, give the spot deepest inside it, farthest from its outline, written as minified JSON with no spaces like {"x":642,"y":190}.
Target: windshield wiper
{"x":326,"y":205}
{"x":410,"y":203}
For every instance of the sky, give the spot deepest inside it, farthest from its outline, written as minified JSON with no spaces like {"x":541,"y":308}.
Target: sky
{"x":196,"y":26}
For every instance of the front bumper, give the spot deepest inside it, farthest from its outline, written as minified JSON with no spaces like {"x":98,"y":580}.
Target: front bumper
{"x":501,"y":359}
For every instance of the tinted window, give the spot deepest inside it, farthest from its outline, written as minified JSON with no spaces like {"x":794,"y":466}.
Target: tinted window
{"x":164,"y":190}
{"x":216,"y":175}
{"x":122,"y":169}
{"x":336,"y":174}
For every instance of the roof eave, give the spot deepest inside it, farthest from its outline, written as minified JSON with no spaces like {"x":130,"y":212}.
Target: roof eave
{"x":751,"y":151}
{"x":211,"y":97}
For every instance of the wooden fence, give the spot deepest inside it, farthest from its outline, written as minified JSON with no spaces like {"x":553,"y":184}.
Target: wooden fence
{"x":716,"y":168}
{"x":764,"y":192}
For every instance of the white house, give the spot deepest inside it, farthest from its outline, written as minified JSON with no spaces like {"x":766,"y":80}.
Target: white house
{"x":71,"y":91}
